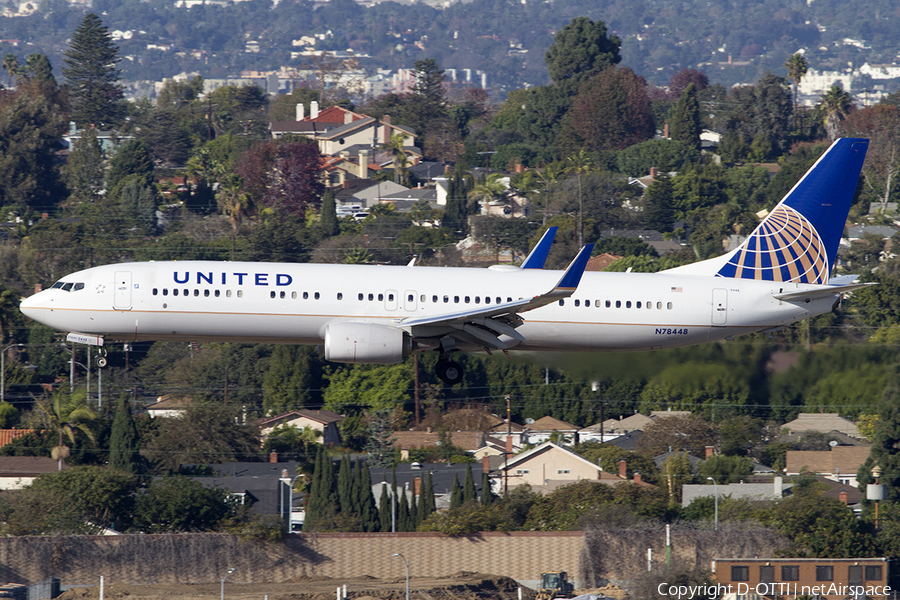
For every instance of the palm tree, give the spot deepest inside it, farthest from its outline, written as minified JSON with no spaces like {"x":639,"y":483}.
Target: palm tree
{"x":549,"y":175}
{"x":11,"y":66}
{"x":797,"y":67}
{"x":491,"y":188}
{"x":398,"y":153}
{"x":68,"y":414}
{"x":578,"y":164}
{"x":837,"y":104}
{"x":233,"y":200}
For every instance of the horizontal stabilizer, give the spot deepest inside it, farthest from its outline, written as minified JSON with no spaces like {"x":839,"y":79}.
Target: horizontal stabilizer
{"x":821,"y":292}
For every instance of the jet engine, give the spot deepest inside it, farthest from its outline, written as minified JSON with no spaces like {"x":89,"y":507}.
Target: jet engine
{"x":351,"y":342}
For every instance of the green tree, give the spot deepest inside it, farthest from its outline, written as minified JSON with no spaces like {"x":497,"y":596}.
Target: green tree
{"x":580,"y":50}
{"x":132,"y":159}
{"x":345,"y":485}
{"x":328,"y":221}
{"x":427,"y":104}
{"x":177,"y":504}
{"x":38,"y":68}
{"x":92,"y":76}
{"x":84,"y":167}
{"x":67,"y":414}
{"x":78,"y":500}
{"x":885,"y":452}
{"x":727,"y":469}
{"x":686,"y":118}
{"x":796,"y":66}
{"x":836,"y":105}
{"x":487,"y":497}
{"x":469,"y":494}
{"x":123,"y":439}
{"x":455,"y":494}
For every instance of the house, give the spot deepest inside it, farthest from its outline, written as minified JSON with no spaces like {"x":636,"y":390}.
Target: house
{"x":601,"y":261}
{"x":324,"y":421}
{"x":365,"y":193}
{"x":467,"y":440}
{"x":8,"y":435}
{"x":341,"y":168}
{"x":613,"y":428}
{"x":411,"y":477}
{"x":541,"y":430}
{"x":168,"y":406}
{"x":774,"y":490}
{"x":549,"y":466}
{"x":822,"y":423}
{"x":513,"y":431}
{"x":17,"y":472}
{"x":823,"y":578}
{"x":840,"y":463}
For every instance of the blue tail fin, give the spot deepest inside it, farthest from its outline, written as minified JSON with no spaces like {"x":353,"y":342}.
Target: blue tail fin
{"x":538,"y":255}
{"x":798,"y":240}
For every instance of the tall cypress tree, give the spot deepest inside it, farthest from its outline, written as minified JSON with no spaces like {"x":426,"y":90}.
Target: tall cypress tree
{"x":469,"y":485}
{"x":345,"y":486}
{"x":314,"y":502}
{"x":487,"y":497}
{"x":686,"y":118}
{"x":123,"y":440}
{"x":328,"y":220}
{"x":384,"y":509}
{"x":455,"y":494}
{"x":364,"y":498}
{"x":403,"y":513}
{"x":92,"y":76}
{"x":428,"y":503}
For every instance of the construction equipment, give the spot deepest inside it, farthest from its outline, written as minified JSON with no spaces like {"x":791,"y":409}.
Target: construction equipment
{"x":554,"y":584}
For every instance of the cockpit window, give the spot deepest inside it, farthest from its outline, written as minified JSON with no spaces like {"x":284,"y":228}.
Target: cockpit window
{"x":67,"y":287}
{"x":56,"y":285}
{"x":78,"y":286}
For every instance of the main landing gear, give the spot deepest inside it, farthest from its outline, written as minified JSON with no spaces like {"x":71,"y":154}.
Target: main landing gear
{"x":448,"y":371}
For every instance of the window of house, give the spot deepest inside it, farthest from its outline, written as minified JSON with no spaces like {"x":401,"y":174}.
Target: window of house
{"x":562,"y":471}
{"x":766,"y":574}
{"x":855,"y":575}
{"x":873,"y":573}
{"x":824,"y":573}
{"x":740,"y":573}
{"x":790,"y":573}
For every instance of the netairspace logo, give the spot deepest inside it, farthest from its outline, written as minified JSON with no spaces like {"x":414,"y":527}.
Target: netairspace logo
{"x":687,"y":592}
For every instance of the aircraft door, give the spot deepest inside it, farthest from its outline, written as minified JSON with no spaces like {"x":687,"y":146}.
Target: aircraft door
{"x":122,"y":296}
{"x":409,"y":300}
{"x":719,"y":306}
{"x":390,"y":300}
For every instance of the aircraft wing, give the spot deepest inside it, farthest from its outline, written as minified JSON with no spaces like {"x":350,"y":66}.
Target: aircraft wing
{"x":538,"y":255}
{"x":483,"y":326}
{"x":821,"y":292}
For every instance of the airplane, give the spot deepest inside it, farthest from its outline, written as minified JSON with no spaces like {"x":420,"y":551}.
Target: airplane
{"x":380,"y":314}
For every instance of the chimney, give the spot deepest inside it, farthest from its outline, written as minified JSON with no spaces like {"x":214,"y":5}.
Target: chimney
{"x":666,"y":131}
{"x":637,"y":478}
{"x":653,"y":172}
{"x":485,"y":464}
{"x":623,"y":471}
{"x":710,"y":450}
{"x":348,"y":117}
{"x":778,"y":485}
{"x":386,"y":121}
{"x":38,"y":287}
{"x":363,"y":164}
{"x":314,"y":109}
{"x":298,"y":111}
{"x":273,"y":457}
{"x":509,"y":448}
{"x":417,"y":486}
{"x":344,"y":154}
{"x":843,"y":497}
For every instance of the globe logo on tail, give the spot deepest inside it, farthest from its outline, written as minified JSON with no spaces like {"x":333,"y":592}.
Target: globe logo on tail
{"x":785,"y":247}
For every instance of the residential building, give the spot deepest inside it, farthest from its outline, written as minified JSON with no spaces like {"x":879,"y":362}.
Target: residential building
{"x":324,"y":421}
{"x":17,"y":472}
{"x":549,"y":466}
{"x":411,"y":478}
{"x":823,"y":578}
{"x":840,"y":463}
{"x":168,"y":406}
{"x":541,"y":430}
{"x":822,"y":423}
{"x":773,"y":490}
{"x":365,"y":192}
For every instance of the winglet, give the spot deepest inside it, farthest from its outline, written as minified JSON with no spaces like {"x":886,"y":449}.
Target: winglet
{"x":538,"y":255}
{"x":572,"y":277}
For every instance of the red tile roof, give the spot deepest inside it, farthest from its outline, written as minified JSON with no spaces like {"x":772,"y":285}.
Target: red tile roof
{"x":8,"y":435}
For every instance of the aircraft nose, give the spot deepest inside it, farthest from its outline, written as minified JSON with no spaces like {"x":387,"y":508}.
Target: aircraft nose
{"x":28,"y":306}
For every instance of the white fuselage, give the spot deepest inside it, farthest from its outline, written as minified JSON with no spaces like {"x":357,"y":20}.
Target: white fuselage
{"x":293,"y":303}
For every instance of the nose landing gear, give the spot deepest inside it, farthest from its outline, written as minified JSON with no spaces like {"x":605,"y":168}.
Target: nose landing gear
{"x":448,"y":371}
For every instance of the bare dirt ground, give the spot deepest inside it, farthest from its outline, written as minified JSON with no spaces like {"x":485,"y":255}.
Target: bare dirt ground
{"x":462,"y":586}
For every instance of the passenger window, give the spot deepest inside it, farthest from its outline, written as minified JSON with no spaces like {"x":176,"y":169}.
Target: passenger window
{"x":562,"y":302}
{"x":316,"y":296}
{"x":608,"y":304}
{"x":477,"y":299}
{"x":306,"y":295}
{"x":669,"y":305}
{"x":340,"y":296}
{"x":154,"y":291}
{"x":165,"y":291}
{"x":499,"y":300}
{"x":508,"y":299}
{"x":380,"y":297}
{"x":196,"y":292}
{"x":649,"y":305}
{"x":78,"y":286}
{"x":175,"y":292}
{"x":618,"y":304}
{"x":185,"y":292}
{"x":446,"y":299}
{"x":282,"y":294}
{"x":228,"y":293}
{"x":659,"y":306}
{"x":422,"y":298}
{"x":293,"y":295}
{"x":359,"y":297}
{"x":487,"y":299}
{"x":272,"y":294}
{"x":467,"y":299}
{"x":456,"y":299}
{"x":628,"y":304}
{"x":434,"y":299}
{"x":371,"y":297}
{"x":217,"y":293}
{"x":240,"y":293}
{"x":206,"y":293}
{"x":596,"y":303}
{"x":390,"y":297}
{"x":409,"y":297}
{"x":637,"y":304}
